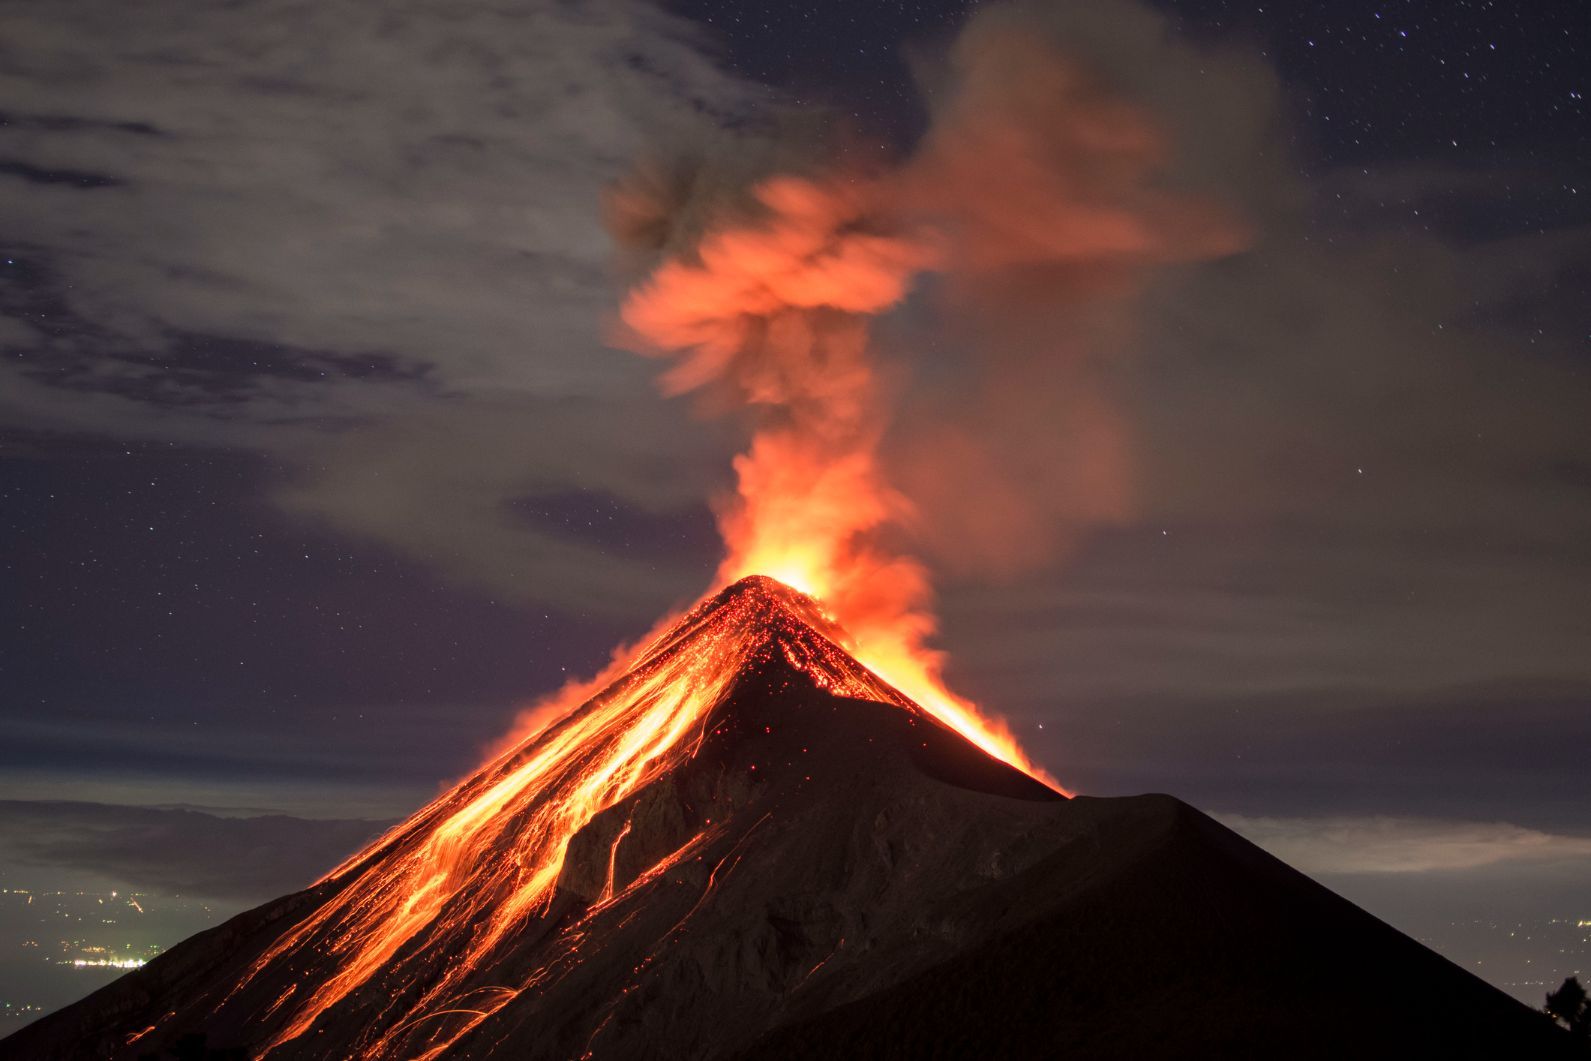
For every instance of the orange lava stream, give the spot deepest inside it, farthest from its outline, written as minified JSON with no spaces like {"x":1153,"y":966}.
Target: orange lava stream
{"x":445,"y":873}
{"x":891,"y":646}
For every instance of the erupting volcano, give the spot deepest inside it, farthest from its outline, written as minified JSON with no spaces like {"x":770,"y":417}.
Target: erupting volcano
{"x":771,"y":830}
{"x":749,"y":844}
{"x":571,"y":835}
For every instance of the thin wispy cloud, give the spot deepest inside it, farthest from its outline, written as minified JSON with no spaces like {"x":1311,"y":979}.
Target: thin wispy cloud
{"x":369,"y":248}
{"x":1403,"y":845}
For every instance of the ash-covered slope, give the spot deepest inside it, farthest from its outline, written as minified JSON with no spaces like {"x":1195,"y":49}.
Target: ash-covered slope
{"x":798,"y":863}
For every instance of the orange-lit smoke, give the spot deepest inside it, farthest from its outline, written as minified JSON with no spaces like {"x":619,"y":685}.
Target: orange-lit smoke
{"x":772,"y":314}
{"x":1052,"y":193}
{"x":1032,"y":179}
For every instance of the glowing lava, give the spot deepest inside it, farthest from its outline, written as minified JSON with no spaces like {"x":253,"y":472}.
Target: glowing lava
{"x":481,"y":863}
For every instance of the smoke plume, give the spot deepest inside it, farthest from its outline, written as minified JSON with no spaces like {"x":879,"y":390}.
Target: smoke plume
{"x":1038,"y":199}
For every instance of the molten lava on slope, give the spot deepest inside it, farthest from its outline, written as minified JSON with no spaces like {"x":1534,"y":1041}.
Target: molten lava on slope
{"x":420,"y":939}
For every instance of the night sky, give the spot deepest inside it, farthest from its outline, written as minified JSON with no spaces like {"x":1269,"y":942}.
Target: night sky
{"x":316,"y":465}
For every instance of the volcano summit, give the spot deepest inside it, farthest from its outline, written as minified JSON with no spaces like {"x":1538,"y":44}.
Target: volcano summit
{"x":750,"y":845}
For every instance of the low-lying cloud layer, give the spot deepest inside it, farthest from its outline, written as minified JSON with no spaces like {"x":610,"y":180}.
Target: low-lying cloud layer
{"x":173,"y":851}
{"x":1403,"y":845}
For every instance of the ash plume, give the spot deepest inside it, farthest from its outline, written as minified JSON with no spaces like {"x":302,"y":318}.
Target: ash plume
{"x":1030,"y":212}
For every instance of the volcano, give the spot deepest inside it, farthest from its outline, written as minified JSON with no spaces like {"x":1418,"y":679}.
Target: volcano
{"x":749,"y":845}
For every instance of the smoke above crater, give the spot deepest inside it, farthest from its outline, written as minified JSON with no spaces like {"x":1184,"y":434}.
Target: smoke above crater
{"x":1036,"y":205}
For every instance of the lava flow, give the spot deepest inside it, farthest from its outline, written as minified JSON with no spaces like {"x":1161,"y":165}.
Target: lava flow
{"x":481,"y":863}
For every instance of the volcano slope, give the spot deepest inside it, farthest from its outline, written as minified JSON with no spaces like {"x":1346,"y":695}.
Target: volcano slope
{"x":780,"y":856}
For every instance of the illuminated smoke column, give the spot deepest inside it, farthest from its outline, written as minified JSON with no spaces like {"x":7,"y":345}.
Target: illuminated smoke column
{"x":1030,"y":165}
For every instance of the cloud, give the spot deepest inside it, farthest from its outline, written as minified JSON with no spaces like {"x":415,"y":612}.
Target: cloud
{"x":373,"y":236}
{"x":177,"y":851}
{"x":421,"y":185}
{"x":450,"y":485}
{"x":1403,"y":845}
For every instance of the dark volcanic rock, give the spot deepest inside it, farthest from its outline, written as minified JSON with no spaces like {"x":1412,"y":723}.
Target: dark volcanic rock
{"x":834,"y":877}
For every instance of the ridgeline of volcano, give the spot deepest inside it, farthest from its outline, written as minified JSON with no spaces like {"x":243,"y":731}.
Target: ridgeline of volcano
{"x":778,"y":855}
